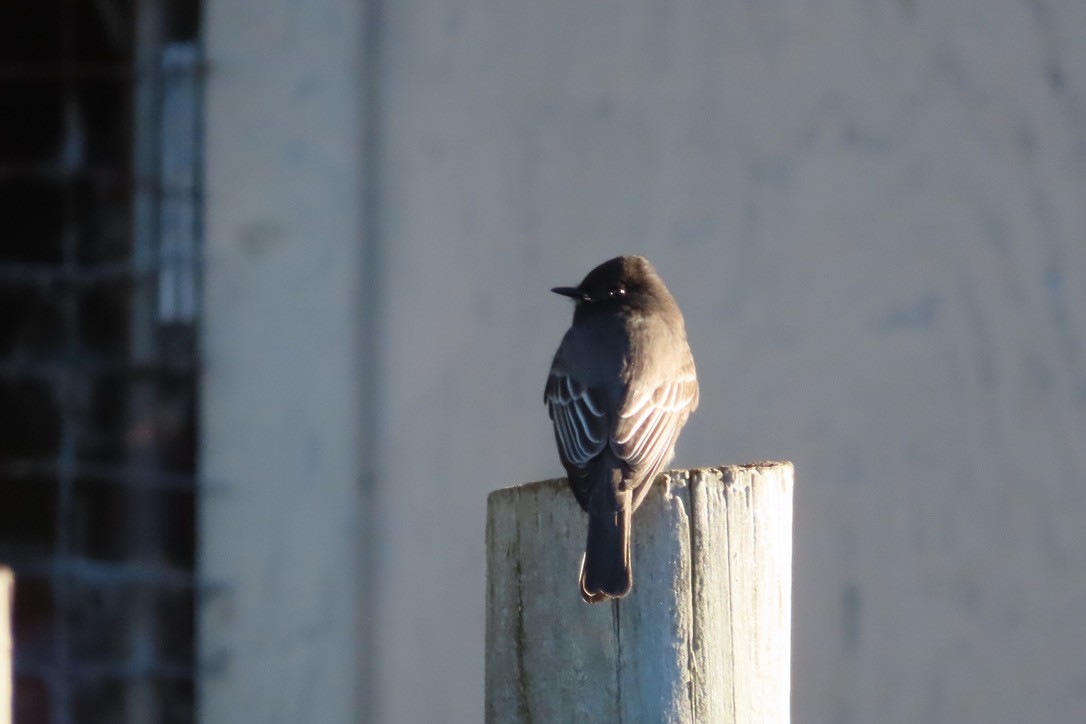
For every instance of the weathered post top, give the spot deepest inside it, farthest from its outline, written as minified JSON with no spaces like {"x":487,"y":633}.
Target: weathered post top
{"x":703,"y":637}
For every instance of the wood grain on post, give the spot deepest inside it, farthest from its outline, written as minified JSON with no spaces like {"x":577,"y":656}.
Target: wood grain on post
{"x":7,"y":595}
{"x":703,"y":637}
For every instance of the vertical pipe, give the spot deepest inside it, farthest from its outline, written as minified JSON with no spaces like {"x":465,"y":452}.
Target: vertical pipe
{"x":369,"y":354}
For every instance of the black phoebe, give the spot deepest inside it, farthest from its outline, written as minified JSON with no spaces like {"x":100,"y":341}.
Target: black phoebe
{"x":620,"y":388}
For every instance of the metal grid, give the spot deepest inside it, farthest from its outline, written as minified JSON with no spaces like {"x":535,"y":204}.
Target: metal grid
{"x":99,"y":271}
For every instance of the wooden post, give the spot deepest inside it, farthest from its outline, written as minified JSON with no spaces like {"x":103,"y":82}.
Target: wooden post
{"x":7,"y":653}
{"x":703,"y":637}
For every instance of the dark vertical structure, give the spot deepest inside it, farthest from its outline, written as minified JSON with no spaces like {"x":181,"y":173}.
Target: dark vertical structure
{"x":99,"y":274}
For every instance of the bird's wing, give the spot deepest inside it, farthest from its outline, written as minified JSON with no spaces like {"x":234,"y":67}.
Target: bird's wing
{"x":649,"y":421}
{"x":580,"y":423}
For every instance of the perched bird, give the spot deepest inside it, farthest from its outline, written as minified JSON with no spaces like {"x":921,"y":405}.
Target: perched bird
{"x":620,"y":388}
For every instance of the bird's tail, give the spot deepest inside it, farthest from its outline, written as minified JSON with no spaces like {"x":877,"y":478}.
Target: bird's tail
{"x":605,"y":570}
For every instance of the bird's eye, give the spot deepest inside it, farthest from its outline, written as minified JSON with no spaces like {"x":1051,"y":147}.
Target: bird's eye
{"x":617,"y":292}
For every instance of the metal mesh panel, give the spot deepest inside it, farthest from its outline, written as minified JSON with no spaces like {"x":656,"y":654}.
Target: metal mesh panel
{"x":99,"y":271}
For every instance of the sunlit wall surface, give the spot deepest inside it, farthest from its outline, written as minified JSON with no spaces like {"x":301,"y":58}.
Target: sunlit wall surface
{"x":871,"y":214}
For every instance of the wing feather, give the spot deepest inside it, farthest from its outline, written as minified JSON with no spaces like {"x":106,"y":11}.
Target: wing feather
{"x":649,"y":422}
{"x":644,"y":432}
{"x":579,"y":423}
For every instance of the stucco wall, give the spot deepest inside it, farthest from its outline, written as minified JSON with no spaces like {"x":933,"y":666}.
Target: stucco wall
{"x":280,"y":538}
{"x":871,"y":213}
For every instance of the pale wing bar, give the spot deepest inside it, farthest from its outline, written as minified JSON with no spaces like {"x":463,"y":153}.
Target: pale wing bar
{"x":579,"y":421}
{"x":650,"y":423}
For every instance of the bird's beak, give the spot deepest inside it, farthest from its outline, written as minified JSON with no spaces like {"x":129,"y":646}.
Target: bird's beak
{"x":571,"y":292}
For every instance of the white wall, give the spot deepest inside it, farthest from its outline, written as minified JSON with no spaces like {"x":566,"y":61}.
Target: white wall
{"x":281,"y":417}
{"x":872,"y":214}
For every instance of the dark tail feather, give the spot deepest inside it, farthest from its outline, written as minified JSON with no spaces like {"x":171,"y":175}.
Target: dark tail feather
{"x":605,"y":570}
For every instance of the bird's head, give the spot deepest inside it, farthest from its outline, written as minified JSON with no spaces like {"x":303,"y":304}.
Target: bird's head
{"x":622,"y":283}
